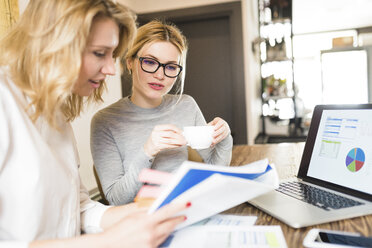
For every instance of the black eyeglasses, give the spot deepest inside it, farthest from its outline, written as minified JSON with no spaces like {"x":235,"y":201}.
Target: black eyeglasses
{"x":150,"y":65}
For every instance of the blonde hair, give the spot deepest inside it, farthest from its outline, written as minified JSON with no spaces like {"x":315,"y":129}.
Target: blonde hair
{"x":155,"y":31}
{"x":44,"y":51}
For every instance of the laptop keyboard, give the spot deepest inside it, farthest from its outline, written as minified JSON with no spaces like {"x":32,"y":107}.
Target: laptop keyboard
{"x":315,"y":196}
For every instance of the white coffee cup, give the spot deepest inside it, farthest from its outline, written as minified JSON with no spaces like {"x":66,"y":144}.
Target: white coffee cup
{"x":199,"y":137}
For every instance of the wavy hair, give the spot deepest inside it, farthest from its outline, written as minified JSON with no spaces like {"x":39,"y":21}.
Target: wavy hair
{"x":43,"y":52}
{"x":155,"y":31}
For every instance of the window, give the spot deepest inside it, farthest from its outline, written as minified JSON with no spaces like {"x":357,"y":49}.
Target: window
{"x":344,"y":77}
{"x":307,"y":50}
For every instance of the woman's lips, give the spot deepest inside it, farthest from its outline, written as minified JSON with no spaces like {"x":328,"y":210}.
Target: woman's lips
{"x":156,"y":86}
{"x":95,"y":84}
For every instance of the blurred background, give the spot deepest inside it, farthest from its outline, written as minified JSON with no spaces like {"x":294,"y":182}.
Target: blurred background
{"x":262,"y":65}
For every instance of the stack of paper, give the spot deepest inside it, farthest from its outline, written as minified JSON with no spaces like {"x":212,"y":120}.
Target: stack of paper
{"x":230,"y":231}
{"x":226,"y":236}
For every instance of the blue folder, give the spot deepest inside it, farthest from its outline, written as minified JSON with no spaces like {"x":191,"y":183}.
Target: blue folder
{"x":195,"y":176}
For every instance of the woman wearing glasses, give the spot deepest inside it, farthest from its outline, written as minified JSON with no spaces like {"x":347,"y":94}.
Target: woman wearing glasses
{"x":144,"y":130}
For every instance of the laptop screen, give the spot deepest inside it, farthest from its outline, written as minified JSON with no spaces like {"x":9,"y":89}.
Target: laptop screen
{"x":342,"y":149}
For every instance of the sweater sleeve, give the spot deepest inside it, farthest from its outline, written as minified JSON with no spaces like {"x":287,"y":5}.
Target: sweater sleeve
{"x":119,"y":180}
{"x":221,"y":153}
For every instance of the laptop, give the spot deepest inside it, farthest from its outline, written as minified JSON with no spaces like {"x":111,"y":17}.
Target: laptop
{"x":334,"y":180}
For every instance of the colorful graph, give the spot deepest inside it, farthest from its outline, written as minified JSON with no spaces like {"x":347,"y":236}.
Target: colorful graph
{"x":355,"y":159}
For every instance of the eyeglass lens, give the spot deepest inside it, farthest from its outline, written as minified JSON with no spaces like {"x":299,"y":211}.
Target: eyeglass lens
{"x":152,"y":65}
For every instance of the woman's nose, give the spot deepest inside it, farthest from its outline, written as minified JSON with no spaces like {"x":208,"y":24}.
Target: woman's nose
{"x":160,"y":73}
{"x":109,"y":67}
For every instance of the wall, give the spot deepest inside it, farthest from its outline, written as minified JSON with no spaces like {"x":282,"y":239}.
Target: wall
{"x":9,"y":13}
{"x":146,"y":6}
{"x":22,"y":5}
{"x":252,"y":65}
{"x":325,"y":15}
{"x":81,"y":128}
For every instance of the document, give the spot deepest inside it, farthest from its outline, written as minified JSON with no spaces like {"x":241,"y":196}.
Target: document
{"x":213,"y":189}
{"x":211,"y":236}
{"x":227,"y":220}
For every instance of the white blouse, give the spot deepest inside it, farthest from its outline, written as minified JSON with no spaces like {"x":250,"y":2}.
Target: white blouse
{"x":41,"y":194}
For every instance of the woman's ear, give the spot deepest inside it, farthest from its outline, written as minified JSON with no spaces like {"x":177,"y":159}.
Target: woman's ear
{"x":129,"y":65}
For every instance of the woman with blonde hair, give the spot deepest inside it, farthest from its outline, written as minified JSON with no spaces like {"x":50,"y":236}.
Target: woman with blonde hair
{"x":144,"y":130}
{"x":58,"y":53}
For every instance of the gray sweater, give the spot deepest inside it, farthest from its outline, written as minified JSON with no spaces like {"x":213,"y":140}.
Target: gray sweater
{"x":118,"y":135}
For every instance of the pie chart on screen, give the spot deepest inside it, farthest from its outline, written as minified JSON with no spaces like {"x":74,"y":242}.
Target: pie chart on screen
{"x":355,"y":159}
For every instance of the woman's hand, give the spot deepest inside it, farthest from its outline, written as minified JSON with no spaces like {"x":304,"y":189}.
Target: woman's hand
{"x":140,"y":229}
{"x":115,"y":213}
{"x":164,"y":137}
{"x":136,"y":229}
{"x":221,"y":130}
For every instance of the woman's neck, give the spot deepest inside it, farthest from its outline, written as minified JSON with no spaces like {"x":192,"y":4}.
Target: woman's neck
{"x":143,"y":102}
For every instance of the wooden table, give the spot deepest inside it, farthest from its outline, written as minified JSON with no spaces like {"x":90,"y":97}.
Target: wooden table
{"x":287,"y":158}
